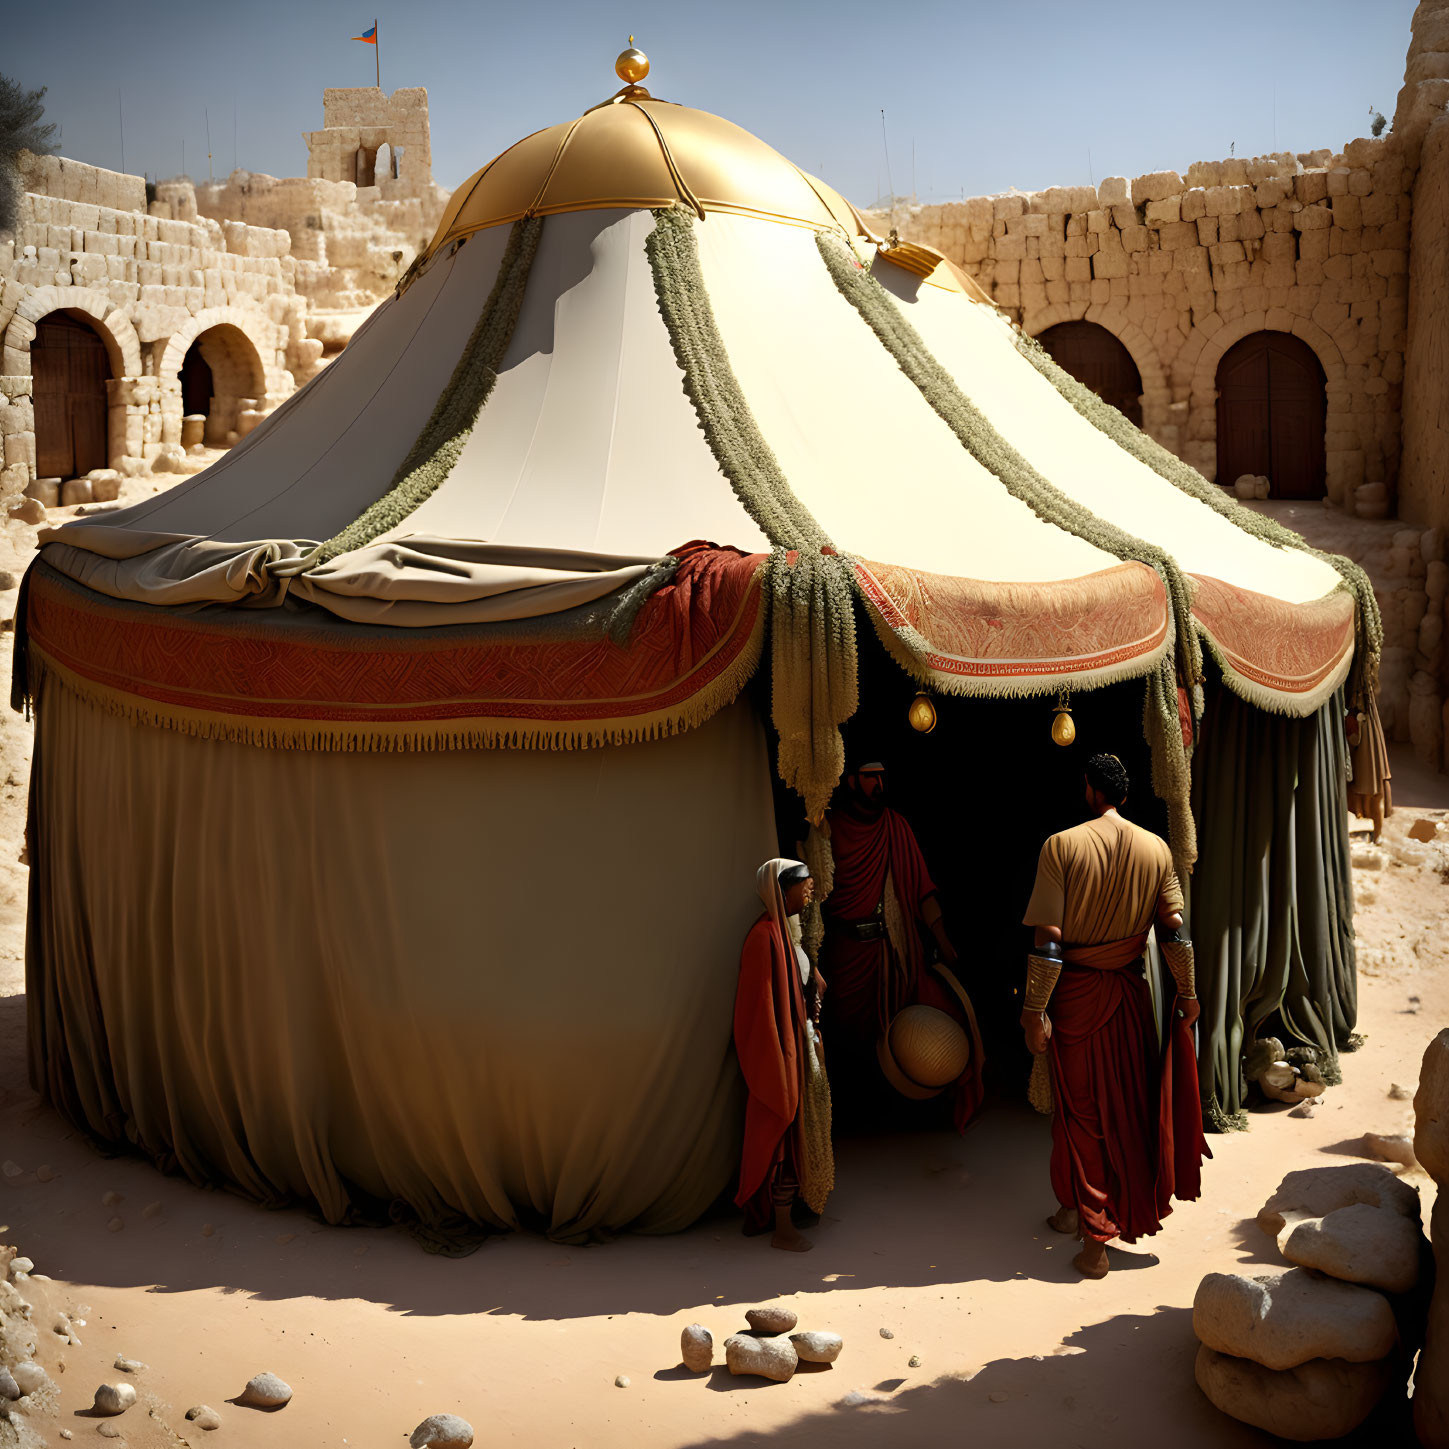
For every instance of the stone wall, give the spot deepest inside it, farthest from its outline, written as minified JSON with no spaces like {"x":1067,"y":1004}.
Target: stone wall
{"x":1179,"y":268}
{"x":149,"y":284}
{"x":1423,"y":129}
{"x":1406,"y":565}
{"x":355,"y":227}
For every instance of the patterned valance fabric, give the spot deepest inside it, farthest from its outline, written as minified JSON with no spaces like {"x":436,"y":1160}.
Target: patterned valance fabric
{"x":304,"y":681}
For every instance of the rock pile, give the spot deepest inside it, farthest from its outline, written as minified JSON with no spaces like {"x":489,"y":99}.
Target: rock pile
{"x":1308,"y":1353}
{"x":764,"y":1351}
{"x":1431,"y":1146}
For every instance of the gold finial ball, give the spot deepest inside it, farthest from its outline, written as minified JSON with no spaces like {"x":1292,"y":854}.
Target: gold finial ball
{"x":922,"y":714}
{"x":1064,"y":730}
{"x":632,"y":65}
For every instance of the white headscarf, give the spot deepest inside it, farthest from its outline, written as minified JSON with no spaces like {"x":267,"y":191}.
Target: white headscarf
{"x":767,"y":883}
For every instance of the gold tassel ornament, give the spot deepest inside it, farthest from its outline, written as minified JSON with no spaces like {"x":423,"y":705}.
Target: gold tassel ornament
{"x":1064,"y":729}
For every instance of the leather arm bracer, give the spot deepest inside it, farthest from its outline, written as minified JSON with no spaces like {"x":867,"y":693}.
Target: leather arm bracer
{"x":1043,"y":967}
{"x":1176,"y":951}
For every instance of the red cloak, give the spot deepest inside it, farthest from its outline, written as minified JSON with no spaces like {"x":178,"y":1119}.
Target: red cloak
{"x":1127,"y":1126}
{"x":770,"y":1024}
{"x":869,"y":984}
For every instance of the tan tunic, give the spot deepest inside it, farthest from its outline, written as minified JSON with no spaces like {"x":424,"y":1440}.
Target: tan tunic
{"x":1103,"y":881}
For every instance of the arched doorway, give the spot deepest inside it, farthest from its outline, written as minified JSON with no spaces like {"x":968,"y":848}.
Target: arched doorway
{"x":1272,"y":406}
{"x":69,"y":367}
{"x":197,"y":384}
{"x":220,"y":374}
{"x":1095,"y":357}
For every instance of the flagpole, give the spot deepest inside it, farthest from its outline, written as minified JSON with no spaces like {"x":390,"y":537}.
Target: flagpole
{"x":377,"y":52}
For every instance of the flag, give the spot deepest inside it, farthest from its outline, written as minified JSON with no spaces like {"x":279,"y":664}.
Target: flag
{"x":368,"y":37}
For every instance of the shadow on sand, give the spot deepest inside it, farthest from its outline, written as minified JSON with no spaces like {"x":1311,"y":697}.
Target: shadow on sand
{"x":1076,"y":1396}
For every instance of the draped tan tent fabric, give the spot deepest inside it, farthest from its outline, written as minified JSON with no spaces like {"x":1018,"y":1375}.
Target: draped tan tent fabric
{"x":323,"y":993}
{"x":421,"y":707}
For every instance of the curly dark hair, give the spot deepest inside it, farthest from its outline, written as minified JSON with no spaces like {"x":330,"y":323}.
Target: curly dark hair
{"x":1107,"y":774}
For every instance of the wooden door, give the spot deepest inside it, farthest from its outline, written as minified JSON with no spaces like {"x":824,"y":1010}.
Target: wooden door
{"x":1272,"y":406}
{"x":1095,"y":357}
{"x":69,"y":368}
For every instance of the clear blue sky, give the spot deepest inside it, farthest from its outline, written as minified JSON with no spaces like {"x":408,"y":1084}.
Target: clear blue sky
{"x":1057,"y":92}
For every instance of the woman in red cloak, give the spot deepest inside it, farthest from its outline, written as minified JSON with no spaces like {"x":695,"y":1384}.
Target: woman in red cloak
{"x":787,"y":1151}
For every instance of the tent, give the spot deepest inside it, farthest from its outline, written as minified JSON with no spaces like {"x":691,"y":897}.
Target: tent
{"x":397,"y":788}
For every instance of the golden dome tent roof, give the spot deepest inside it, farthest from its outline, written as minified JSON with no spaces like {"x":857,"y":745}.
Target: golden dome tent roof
{"x":637,"y":151}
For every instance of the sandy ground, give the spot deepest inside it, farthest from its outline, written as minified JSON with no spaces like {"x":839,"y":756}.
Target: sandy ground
{"x":934,"y":1253}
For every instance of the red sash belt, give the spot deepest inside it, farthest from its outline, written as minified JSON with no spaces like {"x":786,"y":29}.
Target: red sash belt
{"x":1107,"y":955}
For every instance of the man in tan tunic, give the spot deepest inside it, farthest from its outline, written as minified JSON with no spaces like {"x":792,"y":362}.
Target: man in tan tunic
{"x":1126,"y":1134}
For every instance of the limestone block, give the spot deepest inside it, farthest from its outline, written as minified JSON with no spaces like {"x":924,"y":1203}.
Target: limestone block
{"x":1320,"y":1399}
{"x":1114,"y":191}
{"x":1379,"y":209}
{"x":1273,"y":189}
{"x":1207,"y":231}
{"x":1311,"y":218}
{"x":1285,"y":1319}
{"x":1431,"y":1147}
{"x":1155,"y":186}
{"x":75,"y":490}
{"x":1358,"y":1243}
{"x":45,"y":491}
{"x":19,"y":451}
{"x":1316,"y":1191}
{"x":1163,"y":212}
{"x":1311,"y":186}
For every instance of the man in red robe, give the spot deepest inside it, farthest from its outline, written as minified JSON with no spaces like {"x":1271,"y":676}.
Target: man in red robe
{"x":880,"y":896}
{"x":787,"y":1152}
{"x":1126,"y":1119}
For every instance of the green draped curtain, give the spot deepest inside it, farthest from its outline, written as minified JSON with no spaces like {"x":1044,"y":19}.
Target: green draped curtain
{"x":1272,"y":895}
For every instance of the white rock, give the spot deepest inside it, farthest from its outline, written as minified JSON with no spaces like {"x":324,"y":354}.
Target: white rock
{"x":1360,"y":1244}
{"x":1397,"y":1148}
{"x":442,"y":1431}
{"x":22,"y":1265}
{"x":1314,"y":1191}
{"x":204,"y":1416}
{"x":1283,"y":1320}
{"x":9,"y":1389}
{"x":1324,"y":1398}
{"x":265,"y":1391}
{"x":771,"y":1320}
{"x":114,"y":1398}
{"x":696,"y":1348}
{"x":621,"y":1381}
{"x":769,"y":1358}
{"x":128,"y":1365}
{"x":817,"y":1346}
{"x":30,"y":1377}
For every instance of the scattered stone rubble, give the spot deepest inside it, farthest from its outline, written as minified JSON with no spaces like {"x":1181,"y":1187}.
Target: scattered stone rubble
{"x":765,"y":1352}
{"x":1308,"y":1353}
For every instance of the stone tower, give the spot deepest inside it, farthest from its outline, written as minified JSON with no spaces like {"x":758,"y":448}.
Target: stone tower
{"x":373,"y":139}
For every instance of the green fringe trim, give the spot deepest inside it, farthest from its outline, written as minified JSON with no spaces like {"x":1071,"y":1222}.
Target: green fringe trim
{"x":1215,"y":1119}
{"x":1368,"y":624}
{"x":438,"y":447}
{"x":1170,"y":775}
{"x":815,"y":676}
{"x":811,"y":587}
